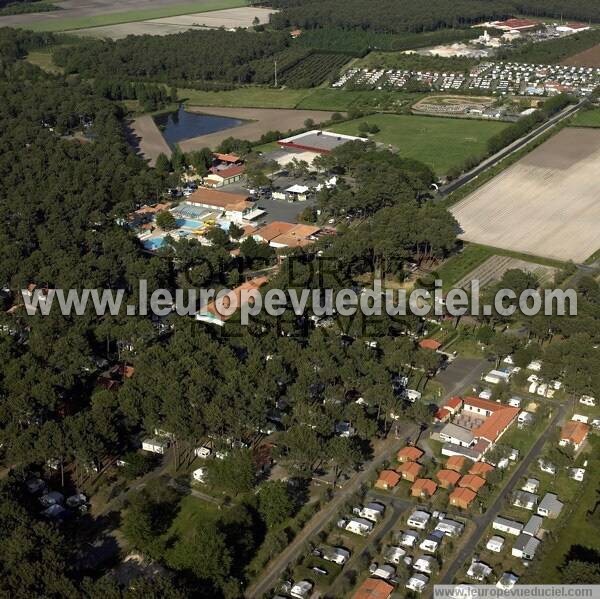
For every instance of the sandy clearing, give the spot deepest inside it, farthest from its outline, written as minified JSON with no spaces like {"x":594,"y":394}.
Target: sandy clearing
{"x":228,"y":18}
{"x":147,"y":139}
{"x":261,"y":121}
{"x":547,"y":204}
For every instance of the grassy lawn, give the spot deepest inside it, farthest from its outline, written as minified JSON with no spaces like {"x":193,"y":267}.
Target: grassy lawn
{"x":246,"y":97}
{"x":192,"y":512}
{"x":132,"y":16}
{"x":43,"y":59}
{"x":367,"y":101}
{"x":442,"y":143}
{"x":460,"y":265}
{"x":587,"y":118}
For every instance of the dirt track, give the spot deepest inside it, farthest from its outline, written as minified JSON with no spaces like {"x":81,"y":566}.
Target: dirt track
{"x":261,"y":121}
{"x":547,"y":204}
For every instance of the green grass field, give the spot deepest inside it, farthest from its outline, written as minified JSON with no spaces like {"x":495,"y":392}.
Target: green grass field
{"x":43,"y":59}
{"x":587,"y":118}
{"x":459,"y":265}
{"x":132,"y":16}
{"x":246,"y":97}
{"x":442,"y":143}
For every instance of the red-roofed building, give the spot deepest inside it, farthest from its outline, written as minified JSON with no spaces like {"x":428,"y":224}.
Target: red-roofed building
{"x":224,"y":176}
{"x":374,"y":588}
{"x":447,"y":478}
{"x":574,"y":433}
{"x":454,"y":404}
{"x":409,"y":454}
{"x":456,"y":462}
{"x":497,"y":424}
{"x":431,"y":344}
{"x":410,"y":471}
{"x":442,"y":415}
{"x":388,"y":479}
{"x":471,"y":481}
{"x":481,"y":469}
{"x":423,"y":487}
{"x":515,"y":24}
{"x":462,"y":498}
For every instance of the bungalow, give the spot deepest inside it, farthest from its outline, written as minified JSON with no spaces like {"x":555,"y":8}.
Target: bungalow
{"x":374,"y":588}
{"x":450,"y":527}
{"x":155,"y":445}
{"x":574,"y":433}
{"x":442,"y":415}
{"x":359,"y":526}
{"x":430,"y":344}
{"x":423,"y":487}
{"x":199,"y":474}
{"x":495,"y":544}
{"x":372,"y":511}
{"x":525,"y":546}
{"x":409,"y":538}
{"x":394,"y":555}
{"x":454,"y":404}
{"x":432,"y":542}
{"x":410,"y":471}
{"x":525,"y":418}
{"x":456,"y":463}
{"x":337,"y":555}
{"x":507,"y":581}
{"x":447,"y":478}
{"x":220,"y":310}
{"x":385,"y":572}
{"x":577,"y":474}
{"x":301,"y":589}
{"x":280,"y":234}
{"x":483,"y":407}
{"x":462,"y":498}
{"x":512,"y":527}
{"x":425,"y":564}
{"x":586,"y":400}
{"x":202,"y":452}
{"x":481,"y":469}
{"x":550,"y":506}
{"x":515,"y":402}
{"x":547,"y":467}
{"x":417,"y":582}
{"x":471,"y":481}
{"x":525,"y":500}
{"x":531,"y":485}
{"x":457,"y":435}
{"x":418,"y":519}
{"x":409,"y":454}
{"x":388,"y":479}
{"x":224,"y":176}
{"x":533,"y":526}
{"x":478,"y":570}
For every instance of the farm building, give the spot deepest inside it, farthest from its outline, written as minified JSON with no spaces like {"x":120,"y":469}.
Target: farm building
{"x":321,"y":142}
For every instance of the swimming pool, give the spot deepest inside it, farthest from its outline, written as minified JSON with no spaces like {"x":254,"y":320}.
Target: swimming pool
{"x":189,"y":223}
{"x":154,"y":243}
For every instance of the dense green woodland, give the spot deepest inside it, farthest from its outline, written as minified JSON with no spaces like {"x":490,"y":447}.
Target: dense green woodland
{"x":395,"y":16}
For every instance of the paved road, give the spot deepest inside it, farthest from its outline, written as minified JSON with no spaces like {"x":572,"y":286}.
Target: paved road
{"x":274,"y":569}
{"x":484,"y":521}
{"x":508,"y":150}
{"x":460,"y":374}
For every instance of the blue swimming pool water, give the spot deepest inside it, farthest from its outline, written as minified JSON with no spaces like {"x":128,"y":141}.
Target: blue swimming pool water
{"x":154,"y":243}
{"x":189,"y":223}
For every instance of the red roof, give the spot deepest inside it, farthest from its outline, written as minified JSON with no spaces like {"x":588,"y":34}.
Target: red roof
{"x":227,"y":158}
{"x":496,"y":424}
{"x":471,"y":481}
{"x":454,"y":403}
{"x":462,"y":497}
{"x":430,"y":344}
{"x":374,"y":588}
{"x":574,"y":432}
{"x":231,"y":171}
{"x":442,"y":414}
{"x":389,"y":477}
{"x":448,"y":477}
{"x":516,"y":24}
{"x":481,"y":468}
{"x":423,"y":486}
{"x":409,"y":469}
{"x":483,"y":404}
{"x":456,"y":462}
{"x":409,"y":453}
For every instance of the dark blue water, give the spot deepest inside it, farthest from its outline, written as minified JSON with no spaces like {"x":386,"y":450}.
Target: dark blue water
{"x":181,"y":125}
